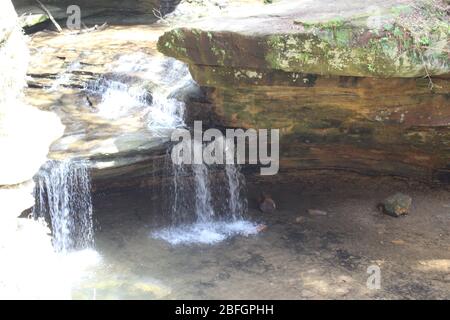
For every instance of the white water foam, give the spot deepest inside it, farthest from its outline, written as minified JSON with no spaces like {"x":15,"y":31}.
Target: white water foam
{"x":216,"y":218}
{"x":65,"y":77}
{"x":149,"y":85}
{"x":205,"y":232}
{"x":63,"y":194}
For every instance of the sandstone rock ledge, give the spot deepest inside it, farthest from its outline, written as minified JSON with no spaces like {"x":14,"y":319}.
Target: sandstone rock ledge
{"x":351,"y":86}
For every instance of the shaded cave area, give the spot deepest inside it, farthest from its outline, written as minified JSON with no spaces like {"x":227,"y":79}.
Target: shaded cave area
{"x":327,"y":230}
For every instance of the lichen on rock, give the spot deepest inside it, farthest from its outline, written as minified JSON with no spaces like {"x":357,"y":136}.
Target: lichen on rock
{"x":350,"y":86}
{"x":358,"y":44}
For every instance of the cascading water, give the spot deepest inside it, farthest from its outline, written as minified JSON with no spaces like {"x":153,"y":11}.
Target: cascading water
{"x":144,"y":84}
{"x":237,"y":204}
{"x":65,"y":77}
{"x":63,"y":194}
{"x":203,"y":205}
{"x":155,"y":88}
{"x":198,"y":216}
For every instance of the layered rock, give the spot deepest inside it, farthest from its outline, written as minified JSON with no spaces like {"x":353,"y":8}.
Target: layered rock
{"x":111,"y":90}
{"x":350,"y":86}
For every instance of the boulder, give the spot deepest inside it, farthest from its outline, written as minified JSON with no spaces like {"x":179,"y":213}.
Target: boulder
{"x":397,"y":205}
{"x":266,"y":203}
{"x":347,"y":38}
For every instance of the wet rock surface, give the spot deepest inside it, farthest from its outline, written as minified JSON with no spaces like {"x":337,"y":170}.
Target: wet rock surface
{"x":109,"y":88}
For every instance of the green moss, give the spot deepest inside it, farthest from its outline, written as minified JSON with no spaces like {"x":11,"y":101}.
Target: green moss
{"x":337,"y":46}
{"x":402,"y":9}
{"x":328,"y":24}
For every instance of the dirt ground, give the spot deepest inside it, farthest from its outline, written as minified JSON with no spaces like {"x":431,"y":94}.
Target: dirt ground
{"x":298,"y":256}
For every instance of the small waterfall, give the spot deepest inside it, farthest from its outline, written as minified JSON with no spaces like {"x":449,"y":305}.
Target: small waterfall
{"x":64,"y":78}
{"x":206,"y":202}
{"x":208,"y":205}
{"x":118,"y":96}
{"x":63,"y":195}
{"x":140,"y":83}
{"x":237,"y":204}
{"x":203,"y":205}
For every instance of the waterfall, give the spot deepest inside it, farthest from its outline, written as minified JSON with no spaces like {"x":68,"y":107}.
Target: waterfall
{"x":157,"y":88}
{"x":64,"y":78}
{"x":63,"y":195}
{"x":139,"y":83}
{"x":237,"y":203}
{"x":203,"y":206}
{"x":208,"y":204}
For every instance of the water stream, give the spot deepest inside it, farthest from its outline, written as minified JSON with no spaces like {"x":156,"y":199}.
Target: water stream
{"x":207,"y":203}
{"x":139,"y":83}
{"x":156,"y":87}
{"x":63,"y":195}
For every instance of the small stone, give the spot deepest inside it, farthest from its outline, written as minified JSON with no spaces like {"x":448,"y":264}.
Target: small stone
{"x":397,"y":205}
{"x":315,"y":212}
{"x":261,"y":228}
{"x":266,"y":203}
{"x":299,"y":219}
{"x":398,"y":242}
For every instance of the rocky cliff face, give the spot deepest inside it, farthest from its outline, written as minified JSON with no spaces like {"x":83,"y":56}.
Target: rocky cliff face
{"x":350,"y":87}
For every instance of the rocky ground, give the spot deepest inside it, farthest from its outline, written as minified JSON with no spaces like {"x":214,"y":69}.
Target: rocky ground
{"x":318,"y":244}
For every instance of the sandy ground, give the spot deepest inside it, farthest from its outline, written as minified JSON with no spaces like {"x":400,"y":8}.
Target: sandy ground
{"x":298,"y":256}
